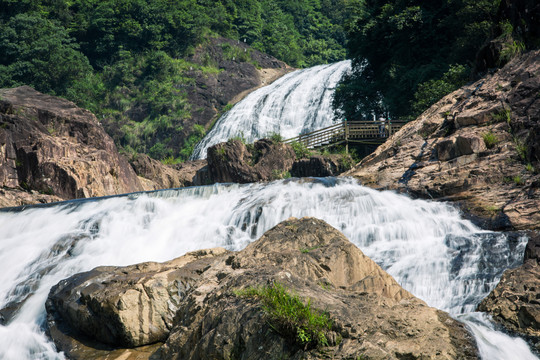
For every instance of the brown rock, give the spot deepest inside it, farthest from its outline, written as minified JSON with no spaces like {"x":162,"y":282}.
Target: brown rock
{"x":155,"y":175}
{"x":443,"y":155}
{"x":372,"y":315}
{"x":233,"y":161}
{"x":129,"y":306}
{"x":50,"y":146}
{"x":321,"y":166}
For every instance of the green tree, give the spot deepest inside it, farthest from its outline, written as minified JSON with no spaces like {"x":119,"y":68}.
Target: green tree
{"x":398,"y":45}
{"x":39,"y":52}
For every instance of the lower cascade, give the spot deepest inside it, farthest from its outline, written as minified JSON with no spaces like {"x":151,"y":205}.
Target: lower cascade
{"x":426,"y":246}
{"x":297,"y":103}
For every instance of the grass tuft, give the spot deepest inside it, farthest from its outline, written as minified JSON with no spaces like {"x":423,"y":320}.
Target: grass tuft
{"x":490,"y":139}
{"x":290,"y":316}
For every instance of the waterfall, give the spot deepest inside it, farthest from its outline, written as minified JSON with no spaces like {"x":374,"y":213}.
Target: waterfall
{"x":428,"y":248}
{"x":297,"y":103}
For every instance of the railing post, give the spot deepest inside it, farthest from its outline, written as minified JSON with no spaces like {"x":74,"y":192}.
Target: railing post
{"x":346,"y":137}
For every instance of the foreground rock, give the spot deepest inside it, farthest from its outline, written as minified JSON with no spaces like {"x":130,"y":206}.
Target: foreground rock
{"x":190,"y":303}
{"x":515,"y":301}
{"x":265,"y":160}
{"x":51,"y":150}
{"x":478,"y":147}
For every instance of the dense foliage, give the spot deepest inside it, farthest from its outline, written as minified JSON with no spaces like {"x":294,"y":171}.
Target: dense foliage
{"x":125,"y":60}
{"x":407,"y":54}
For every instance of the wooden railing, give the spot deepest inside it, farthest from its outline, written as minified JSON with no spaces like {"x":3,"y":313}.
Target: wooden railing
{"x":367,"y":132}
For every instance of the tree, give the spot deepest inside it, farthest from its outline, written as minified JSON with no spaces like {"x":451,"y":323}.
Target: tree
{"x":40,"y":53}
{"x":409,"y":42}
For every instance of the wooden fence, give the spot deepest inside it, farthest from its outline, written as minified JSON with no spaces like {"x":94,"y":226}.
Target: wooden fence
{"x":365,"y":132}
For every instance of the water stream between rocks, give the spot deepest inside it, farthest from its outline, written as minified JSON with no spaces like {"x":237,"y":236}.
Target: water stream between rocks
{"x":429,"y":249}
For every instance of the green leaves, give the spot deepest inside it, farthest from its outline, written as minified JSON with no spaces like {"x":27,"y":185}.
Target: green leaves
{"x":402,"y":48}
{"x":39,"y":52}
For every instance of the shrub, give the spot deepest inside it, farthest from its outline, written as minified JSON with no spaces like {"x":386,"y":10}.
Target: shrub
{"x":276,"y":138}
{"x":289,"y":316}
{"x":490,"y":139}
{"x":517,"y":180}
{"x":300,"y":150}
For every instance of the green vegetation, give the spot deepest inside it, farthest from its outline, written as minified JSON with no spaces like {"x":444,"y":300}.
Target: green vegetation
{"x":300,"y":150}
{"x":307,"y":250}
{"x":408,"y":54}
{"x":503,"y":115}
{"x":126,"y":60}
{"x":290,"y":316}
{"x":521,"y":149}
{"x":529,"y":167}
{"x":280,"y":174}
{"x":276,"y":138}
{"x":490,"y":139}
{"x":517,"y":180}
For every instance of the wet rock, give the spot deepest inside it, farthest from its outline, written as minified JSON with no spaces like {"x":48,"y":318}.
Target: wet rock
{"x":515,"y":302}
{"x":371,"y":314}
{"x":52,"y":150}
{"x":478,"y":147}
{"x":321,"y":166}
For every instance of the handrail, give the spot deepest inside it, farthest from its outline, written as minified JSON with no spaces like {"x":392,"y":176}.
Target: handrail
{"x":355,"y":131}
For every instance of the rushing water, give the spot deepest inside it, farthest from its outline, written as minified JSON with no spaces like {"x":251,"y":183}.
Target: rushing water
{"x":298,"y":102}
{"x":426,"y":246}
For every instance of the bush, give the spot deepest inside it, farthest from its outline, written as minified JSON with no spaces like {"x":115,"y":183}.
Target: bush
{"x":276,"y":138}
{"x":300,"y":150}
{"x":290,"y":317}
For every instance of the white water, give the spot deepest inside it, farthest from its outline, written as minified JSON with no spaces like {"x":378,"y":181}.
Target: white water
{"x":426,"y":246}
{"x":298,"y":102}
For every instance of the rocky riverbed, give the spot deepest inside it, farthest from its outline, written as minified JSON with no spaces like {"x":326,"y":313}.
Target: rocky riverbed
{"x":191,"y":305}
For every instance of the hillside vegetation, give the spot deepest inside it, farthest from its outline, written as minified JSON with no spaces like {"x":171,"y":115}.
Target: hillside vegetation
{"x":123,"y":57}
{"x":409,"y":54}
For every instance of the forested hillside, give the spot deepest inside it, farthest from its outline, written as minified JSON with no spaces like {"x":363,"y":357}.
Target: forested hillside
{"x":124,"y":57}
{"x":408,"y":54}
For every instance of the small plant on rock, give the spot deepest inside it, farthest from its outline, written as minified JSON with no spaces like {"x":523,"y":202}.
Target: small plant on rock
{"x":290,"y":316}
{"x":276,"y":138}
{"x":490,"y":139}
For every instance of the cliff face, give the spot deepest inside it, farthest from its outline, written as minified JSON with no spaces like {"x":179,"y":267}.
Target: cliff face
{"x":194,"y":304}
{"x":478,"y":146}
{"x":51,"y":150}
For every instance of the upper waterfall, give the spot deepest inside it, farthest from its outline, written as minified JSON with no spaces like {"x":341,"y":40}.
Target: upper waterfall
{"x":299,"y":102}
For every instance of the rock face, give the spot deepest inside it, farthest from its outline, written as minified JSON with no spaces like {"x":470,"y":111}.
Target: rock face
{"x":478,"y":147}
{"x":54,"y":150}
{"x":265,"y":160}
{"x":155,"y":175}
{"x":195,"y":310}
{"x":321,"y":166}
{"x":233,"y":161}
{"x":243,"y":70}
{"x":515,"y":301}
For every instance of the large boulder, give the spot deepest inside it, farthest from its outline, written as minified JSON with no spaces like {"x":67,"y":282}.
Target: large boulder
{"x":321,"y":166}
{"x":265,"y":160}
{"x":478,"y":146}
{"x":371,"y":314}
{"x":52,"y":150}
{"x":155,"y":175}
